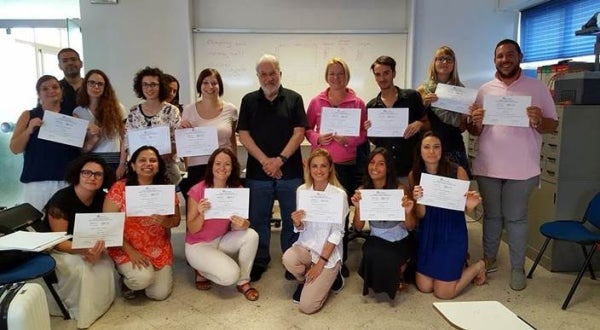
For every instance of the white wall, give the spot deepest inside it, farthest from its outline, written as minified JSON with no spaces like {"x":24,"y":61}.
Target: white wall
{"x":123,"y":38}
{"x":471,"y":28}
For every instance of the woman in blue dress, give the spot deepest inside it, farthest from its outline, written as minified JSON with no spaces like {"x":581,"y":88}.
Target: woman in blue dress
{"x":442,"y":238}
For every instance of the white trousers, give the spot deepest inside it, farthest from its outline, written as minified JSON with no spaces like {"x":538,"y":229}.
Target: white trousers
{"x":214,"y":259}
{"x":157,"y":283}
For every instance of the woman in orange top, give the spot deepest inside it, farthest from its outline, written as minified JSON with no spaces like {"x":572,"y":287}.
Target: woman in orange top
{"x":146,"y":256}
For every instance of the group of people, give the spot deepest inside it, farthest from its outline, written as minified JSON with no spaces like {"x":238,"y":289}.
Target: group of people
{"x":428,"y":247}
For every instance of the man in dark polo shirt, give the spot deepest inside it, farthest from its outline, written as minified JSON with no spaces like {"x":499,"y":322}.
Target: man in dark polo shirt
{"x":271,"y":126}
{"x":70,"y":64}
{"x":391,"y":96}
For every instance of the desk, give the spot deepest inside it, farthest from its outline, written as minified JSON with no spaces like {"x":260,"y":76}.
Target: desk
{"x":487,"y":315}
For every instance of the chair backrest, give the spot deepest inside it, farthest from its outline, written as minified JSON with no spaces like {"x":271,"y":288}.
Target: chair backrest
{"x":592,"y":214}
{"x":20,"y":217}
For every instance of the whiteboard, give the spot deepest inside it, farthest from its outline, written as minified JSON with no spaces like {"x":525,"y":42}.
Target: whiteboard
{"x":302,"y":59}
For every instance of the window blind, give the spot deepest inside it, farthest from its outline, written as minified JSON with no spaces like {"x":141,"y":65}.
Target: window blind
{"x":548,"y":30}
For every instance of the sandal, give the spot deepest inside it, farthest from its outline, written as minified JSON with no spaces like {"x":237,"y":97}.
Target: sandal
{"x":481,"y":277}
{"x":126,"y":292}
{"x":248,"y":291}
{"x":202,"y":284}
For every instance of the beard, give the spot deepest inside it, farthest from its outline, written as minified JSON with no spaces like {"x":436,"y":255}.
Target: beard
{"x":511,"y":74}
{"x":270,"y":90}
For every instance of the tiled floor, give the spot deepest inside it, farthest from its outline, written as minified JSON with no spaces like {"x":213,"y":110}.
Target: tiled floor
{"x":225,"y":308}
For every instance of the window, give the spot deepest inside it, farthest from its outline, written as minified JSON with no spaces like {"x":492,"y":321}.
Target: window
{"x":548,"y":30}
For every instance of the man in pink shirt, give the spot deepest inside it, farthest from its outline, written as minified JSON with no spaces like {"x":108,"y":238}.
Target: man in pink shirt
{"x":507,"y":166}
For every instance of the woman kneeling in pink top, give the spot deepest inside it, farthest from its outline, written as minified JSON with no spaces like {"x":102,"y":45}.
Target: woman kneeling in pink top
{"x":210,"y":243}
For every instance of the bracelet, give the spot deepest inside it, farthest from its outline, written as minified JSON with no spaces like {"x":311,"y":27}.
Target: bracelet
{"x":283,"y":158}
{"x":323,"y":258}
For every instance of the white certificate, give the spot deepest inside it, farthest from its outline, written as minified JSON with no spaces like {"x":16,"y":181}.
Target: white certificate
{"x":159,"y":137}
{"x":381,"y":204}
{"x":387,"y":122}
{"x":443,"y":192}
{"x":454,"y":98}
{"x":506,"y":110}
{"x":225,"y":202}
{"x":340,"y":121}
{"x":150,"y":199}
{"x":321,"y":206}
{"x":64,"y":129}
{"x":196,"y":141}
{"x":91,"y":227}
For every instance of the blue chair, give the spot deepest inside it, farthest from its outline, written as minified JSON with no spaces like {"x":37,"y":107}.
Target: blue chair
{"x":577,"y":232}
{"x":36,"y":264}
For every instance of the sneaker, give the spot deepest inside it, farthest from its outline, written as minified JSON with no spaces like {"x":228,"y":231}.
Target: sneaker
{"x":490,"y":265}
{"x":338,"y":284}
{"x":518,"y":281}
{"x":297,"y":293}
{"x":289,"y":276}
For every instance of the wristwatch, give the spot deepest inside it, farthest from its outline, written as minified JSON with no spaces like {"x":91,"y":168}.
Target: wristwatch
{"x":283,"y":158}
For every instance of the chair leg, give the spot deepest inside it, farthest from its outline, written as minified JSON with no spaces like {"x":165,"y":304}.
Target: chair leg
{"x":57,"y":298}
{"x":585,"y":255}
{"x":578,"y":279}
{"x":538,"y":257}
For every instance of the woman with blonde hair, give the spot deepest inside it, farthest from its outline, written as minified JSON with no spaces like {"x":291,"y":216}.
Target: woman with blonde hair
{"x":315,"y":259}
{"x":341,"y":148}
{"x":450,"y":125}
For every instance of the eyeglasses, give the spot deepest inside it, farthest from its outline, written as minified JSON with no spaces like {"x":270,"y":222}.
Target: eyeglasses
{"x":93,"y":83}
{"x":88,"y":174}
{"x":150,"y":85}
{"x":444,"y":59}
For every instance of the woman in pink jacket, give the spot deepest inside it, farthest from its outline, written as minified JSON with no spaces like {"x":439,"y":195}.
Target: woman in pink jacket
{"x":342,"y":148}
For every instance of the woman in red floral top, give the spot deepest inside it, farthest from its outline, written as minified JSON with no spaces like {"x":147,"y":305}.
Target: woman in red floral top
{"x":146,"y":256}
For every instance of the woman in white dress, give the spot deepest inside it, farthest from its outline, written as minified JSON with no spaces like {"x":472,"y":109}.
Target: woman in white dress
{"x":86,"y":277}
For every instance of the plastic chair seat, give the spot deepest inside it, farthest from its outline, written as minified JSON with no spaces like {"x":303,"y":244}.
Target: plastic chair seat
{"x":569,"y":230}
{"x":38,"y":266}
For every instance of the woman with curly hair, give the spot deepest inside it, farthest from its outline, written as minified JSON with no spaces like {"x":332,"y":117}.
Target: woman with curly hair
{"x":98,"y":104}
{"x":150,"y":85}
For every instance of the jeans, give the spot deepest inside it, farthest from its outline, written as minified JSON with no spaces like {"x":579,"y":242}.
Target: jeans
{"x":262,"y":196}
{"x":505,"y":203}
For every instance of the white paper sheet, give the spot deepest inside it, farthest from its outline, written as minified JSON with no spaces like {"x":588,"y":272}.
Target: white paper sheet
{"x":382,"y":204}
{"x":158,"y":137}
{"x":488,"y":315}
{"x":454,"y":98}
{"x":341,"y":121}
{"x":150,"y":199}
{"x":225,"y":202}
{"x":321,"y":206}
{"x":91,"y":227}
{"x":506,"y":110}
{"x":63,"y":129}
{"x":196,"y":141}
{"x":443,"y":192}
{"x":387,"y":122}
{"x":32,"y":241}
